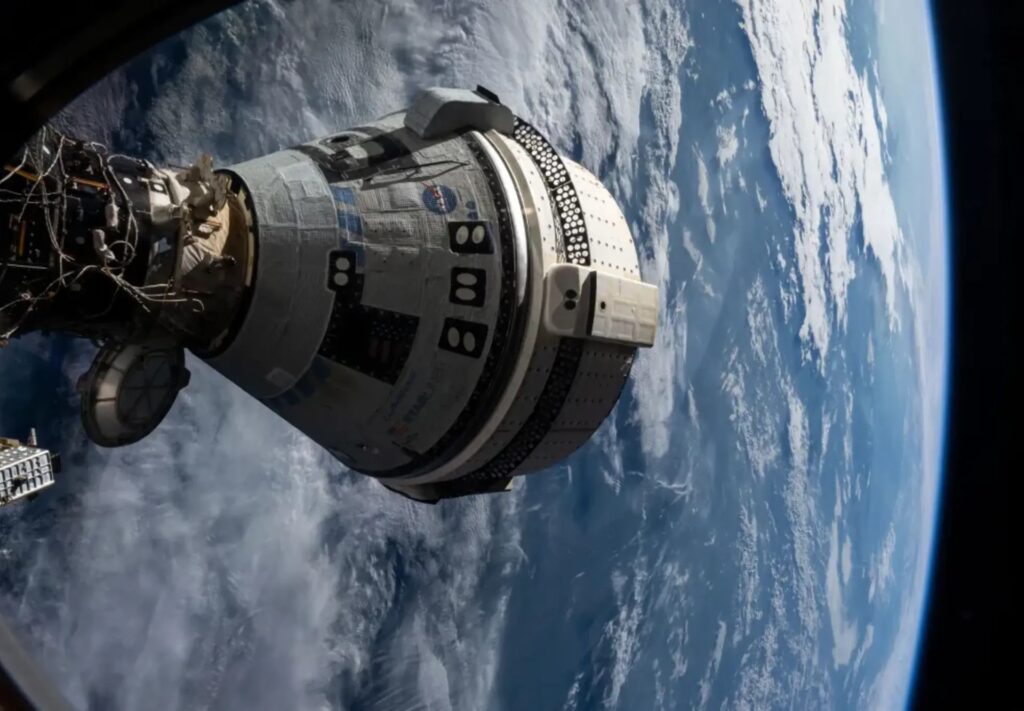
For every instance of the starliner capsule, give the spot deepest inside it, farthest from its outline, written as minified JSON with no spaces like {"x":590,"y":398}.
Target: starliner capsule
{"x":438,"y":297}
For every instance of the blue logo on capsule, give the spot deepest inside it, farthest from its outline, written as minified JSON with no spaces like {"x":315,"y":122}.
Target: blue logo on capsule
{"x":350,"y":222}
{"x":439,"y":199}
{"x":344,"y":195}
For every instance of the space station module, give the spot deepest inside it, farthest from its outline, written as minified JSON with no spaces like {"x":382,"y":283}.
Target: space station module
{"x":438,"y":298}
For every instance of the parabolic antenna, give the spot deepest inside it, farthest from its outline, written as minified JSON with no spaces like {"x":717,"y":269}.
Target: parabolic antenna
{"x":129,"y":389}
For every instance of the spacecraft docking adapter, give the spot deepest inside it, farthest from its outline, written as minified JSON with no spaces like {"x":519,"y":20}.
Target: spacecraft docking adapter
{"x":438,"y":297}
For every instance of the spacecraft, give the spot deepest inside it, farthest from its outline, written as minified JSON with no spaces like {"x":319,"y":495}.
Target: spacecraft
{"x":438,"y":297}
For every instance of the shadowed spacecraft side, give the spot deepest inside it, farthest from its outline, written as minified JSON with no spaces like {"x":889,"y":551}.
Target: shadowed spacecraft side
{"x":438,"y":297}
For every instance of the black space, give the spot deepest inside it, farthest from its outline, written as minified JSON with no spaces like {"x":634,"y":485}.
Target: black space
{"x":963,"y":660}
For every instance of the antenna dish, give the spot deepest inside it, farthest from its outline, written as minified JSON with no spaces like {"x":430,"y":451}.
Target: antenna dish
{"x":128,"y":390}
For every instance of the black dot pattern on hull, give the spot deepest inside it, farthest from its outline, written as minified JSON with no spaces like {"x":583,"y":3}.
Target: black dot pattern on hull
{"x":556,"y":178}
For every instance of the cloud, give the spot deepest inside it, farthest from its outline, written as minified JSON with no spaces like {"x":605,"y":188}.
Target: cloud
{"x":847,"y":560}
{"x":865,"y":645}
{"x":756,"y":424}
{"x":757,"y":685}
{"x":799,"y":498}
{"x":171,"y":555}
{"x":750,"y":386}
{"x":761,"y":325}
{"x":844,"y":632}
{"x":612,"y":447}
{"x":236,"y":566}
{"x":880,"y":572}
{"x":713,"y":664}
{"x":622,"y":632}
{"x":703,"y":195}
{"x":826,"y":149}
{"x":728,"y":145}
{"x":655,"y":373}
{"x":748,"y":587}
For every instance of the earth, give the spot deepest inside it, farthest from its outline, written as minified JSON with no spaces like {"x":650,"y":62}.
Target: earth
{"x":753,"y":525}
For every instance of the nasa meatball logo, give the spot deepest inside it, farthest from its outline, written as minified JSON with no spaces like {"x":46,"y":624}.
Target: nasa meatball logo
{"x":439,"y":199}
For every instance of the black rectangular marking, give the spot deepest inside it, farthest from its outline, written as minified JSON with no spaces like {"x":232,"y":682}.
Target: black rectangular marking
{"x":468,"y":286}
{"x":463,"y":337}
{"x":341,"y":274}
{"x":373,"y":341}
{"x":471,"y":237}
